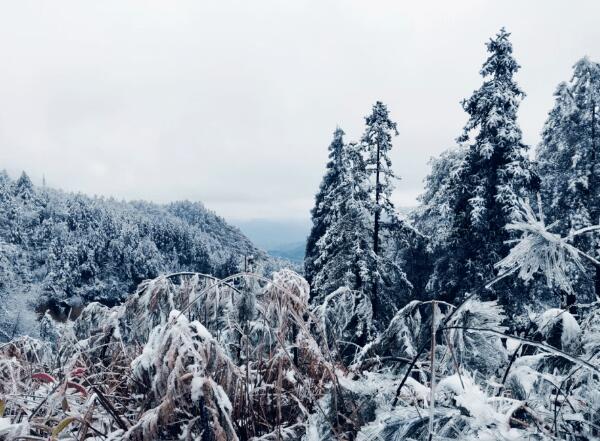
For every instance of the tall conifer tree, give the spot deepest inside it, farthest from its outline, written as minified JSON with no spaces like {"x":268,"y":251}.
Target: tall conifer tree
{"x":345,"y":254}
{"x":569,"y":158}
{"x":493,"y":176}
{"x":377,"y":143}
{"x":321,"y":210}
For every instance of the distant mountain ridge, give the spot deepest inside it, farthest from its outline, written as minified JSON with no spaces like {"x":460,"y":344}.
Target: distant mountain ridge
{"x":64,"y":248}
{"x":270,"y":234}
{"x":280,"y":238}
{"x":293,"y":252}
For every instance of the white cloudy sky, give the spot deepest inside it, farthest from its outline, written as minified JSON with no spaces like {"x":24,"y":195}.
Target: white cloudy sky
{"x":234,"y":102}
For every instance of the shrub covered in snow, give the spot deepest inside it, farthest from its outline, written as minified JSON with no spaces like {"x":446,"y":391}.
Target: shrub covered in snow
{"x":194,"y":357}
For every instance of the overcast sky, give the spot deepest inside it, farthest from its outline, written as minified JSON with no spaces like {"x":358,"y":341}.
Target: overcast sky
{"x":233,"y":103}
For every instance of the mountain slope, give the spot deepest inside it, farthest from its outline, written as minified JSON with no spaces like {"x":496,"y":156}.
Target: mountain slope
{"x":61,"y":248}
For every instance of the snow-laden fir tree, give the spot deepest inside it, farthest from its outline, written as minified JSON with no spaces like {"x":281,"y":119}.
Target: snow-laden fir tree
{"x":433,"y":219}
{"x":345,"y":255}
{"x":569,"y":158}
{"x":495,"y":173}
{"x":321,"y":211}
{"x":353,"y":216}
{"x":435,"y":215}
{"x":377,"y":143}
{"x":24,"y":187}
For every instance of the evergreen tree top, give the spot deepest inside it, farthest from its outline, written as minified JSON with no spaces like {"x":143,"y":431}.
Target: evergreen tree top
{"x":24,"y":186}
{"x":581,"y":93}
{"x":334,"y":165}
{"x":379,"y":120}
{"x":4,"y":178}
{"x":24,"y":181}
{"x":377,"y":138}
{"x":493,"y":107}
{"x":336,"y":147}
{"x":568,"y":156}
{"x":500,"y":64}
{"x":584,"y":66}
{"x":586,"y":82}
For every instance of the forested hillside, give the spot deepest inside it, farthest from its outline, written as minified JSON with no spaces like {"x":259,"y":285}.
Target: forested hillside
{"x":60,"y":249}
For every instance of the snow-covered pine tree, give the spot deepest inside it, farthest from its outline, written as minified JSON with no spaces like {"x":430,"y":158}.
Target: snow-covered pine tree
{"x":321,"y":211}
{"x":345,"y":254}
{"x":377,"y":143}
{"x":435,"y":215}
{"x":24,"y":187}
{"x":495,"y":173}
{"x":434,"y":219}
{"x":353,"y":202}
{"x":569,"y":159}
{"x":8,"y":213}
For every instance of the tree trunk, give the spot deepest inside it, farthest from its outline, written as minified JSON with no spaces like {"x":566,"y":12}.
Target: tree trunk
{"x":594,"y":197}
{"x":374,"y":298}
{"x":597,"y":282}
{"x":377,"y":208}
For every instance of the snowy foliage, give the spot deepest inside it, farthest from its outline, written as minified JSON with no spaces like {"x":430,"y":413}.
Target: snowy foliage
{"x":539,"y":250}
{"x":569,"y":163}
{"x":189,"y":356}
{"x":377,"y":142}
{"x":497,"y":148}
{"x":174,"y":377}
{"x":435,"y":214}
{"x":321,"y":212}
{"x":59,"y":250}
{"x":354,"y":242}
{"x":346,"y":318}
{"x":474,"y":191}
{"x":345,"y":256}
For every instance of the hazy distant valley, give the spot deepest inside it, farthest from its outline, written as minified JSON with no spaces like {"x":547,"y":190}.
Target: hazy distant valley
{"x":285,"y":239}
